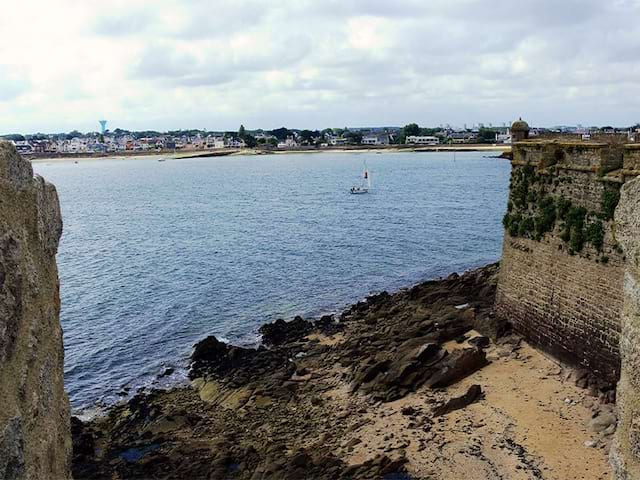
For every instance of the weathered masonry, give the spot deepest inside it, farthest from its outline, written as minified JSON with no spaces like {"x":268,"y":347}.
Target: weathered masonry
{"x":625,"y":456}
{"x":561,"y":279}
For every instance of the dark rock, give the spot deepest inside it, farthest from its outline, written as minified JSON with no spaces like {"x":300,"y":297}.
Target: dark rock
{"x":408,"y":411}
{"x":456,"y":366}
{"x":512,"y":342}
{"x":473,"y":393}
{"x":239,"y":366}
{"x":378,"y":299}
{"x":392,"y":346}
{"x":209,"y":350}
{"x":353,"y":442}
{"x":582,"y":378}
{"x":480,"y":342}
{"x":281,"y":332}
{"x":83,"y":442}
{"x":12,"y":460}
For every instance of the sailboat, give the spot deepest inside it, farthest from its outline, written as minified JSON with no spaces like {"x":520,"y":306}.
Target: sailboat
{"x":366,"y":183}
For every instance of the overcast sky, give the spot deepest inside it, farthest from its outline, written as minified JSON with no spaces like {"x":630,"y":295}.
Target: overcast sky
{"x":168,"y":64}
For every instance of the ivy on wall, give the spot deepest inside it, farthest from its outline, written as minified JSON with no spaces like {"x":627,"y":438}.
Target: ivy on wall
{"x":534,"y":210}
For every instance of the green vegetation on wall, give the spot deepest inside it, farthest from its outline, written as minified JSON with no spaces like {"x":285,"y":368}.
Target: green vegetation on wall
{"x":534,"y":210}
{"x":610,"y":199}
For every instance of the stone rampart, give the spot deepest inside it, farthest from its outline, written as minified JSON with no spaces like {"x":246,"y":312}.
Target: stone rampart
{"x":561,"y":279}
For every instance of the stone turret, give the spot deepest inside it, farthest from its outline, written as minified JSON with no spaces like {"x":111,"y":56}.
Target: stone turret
{"x":519,"y":130}
{"x":35,"y":439}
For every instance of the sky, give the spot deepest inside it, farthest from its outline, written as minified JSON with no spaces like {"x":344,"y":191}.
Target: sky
{"x":216,"y":64}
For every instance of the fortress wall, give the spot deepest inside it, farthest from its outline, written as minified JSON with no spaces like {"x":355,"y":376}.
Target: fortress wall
{"x":625,"y":456}
{"x":565,"y":305}
{"x":632,"y":158}
{"x":562,"y":270}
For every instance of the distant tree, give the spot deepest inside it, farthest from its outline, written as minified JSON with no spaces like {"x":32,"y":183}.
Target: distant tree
{"x":37,"y":136}
{"x":487,"y":135}
{"x":307,"y":136}
{"x":242,"y":132}
{"x":354,"y":137}
{"x":273,"y":142}
{"x":146,"y":134}
{"x":411,"y":129}
{"x":14,"y":137}
{"x":430,"y":131}
{"x":73,"y":134}
{"x":400,"y":138}
{"x":281,"y":133}
{"x":249,"y":140}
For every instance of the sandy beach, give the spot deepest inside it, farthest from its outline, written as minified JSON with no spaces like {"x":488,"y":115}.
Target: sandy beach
{"x":247,"y":151}
{"x":422,"y":384}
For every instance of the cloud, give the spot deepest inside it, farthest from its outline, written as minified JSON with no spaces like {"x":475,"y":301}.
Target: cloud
{"x":121,"y":24}
{"x":167,"y":64}
{"x":11,"y":86}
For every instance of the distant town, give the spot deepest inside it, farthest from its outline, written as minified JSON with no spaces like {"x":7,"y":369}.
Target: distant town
{"x":105,"y":141}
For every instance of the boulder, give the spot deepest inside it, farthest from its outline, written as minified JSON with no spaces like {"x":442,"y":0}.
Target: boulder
{"x":603,"y":421}
{"x":281,"y":332}
{"x":456,"y":366}
{"x":479,"y":342}
{"x":473,"y":393}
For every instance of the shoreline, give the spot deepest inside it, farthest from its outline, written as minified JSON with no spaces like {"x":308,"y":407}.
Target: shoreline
{"x":397,"y":384}
{"x":180,"y":366}
{"x":172,"y":155}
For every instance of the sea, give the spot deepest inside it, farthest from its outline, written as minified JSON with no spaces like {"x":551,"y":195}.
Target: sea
{"x":156,"y":255}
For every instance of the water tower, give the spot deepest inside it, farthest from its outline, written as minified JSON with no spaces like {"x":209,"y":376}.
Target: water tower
{"x":103,"y":126}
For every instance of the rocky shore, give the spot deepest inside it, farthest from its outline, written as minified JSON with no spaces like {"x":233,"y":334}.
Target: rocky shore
{"x":424,"y":383}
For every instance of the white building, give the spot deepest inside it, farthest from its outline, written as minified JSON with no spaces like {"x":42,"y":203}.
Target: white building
{"x":235,"y":143}
{"x":376,"y":139}
{"x":334,"y":140}
{"x":264,"y":136}
{"x":23,"y":146}
{"x":288,"y":143}
{"x":422,"y":140}
{"x":504,"y":137}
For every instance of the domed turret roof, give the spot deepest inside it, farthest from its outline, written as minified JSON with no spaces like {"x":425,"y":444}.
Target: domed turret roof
{"x":520,"y":125}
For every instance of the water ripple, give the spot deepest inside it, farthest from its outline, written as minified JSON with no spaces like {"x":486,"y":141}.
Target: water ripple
{"x":155,"y":256}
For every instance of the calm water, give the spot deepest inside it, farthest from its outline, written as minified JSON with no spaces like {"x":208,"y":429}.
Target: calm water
{"x":157,"y":255}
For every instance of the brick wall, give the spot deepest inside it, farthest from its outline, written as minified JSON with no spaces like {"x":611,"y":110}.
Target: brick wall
{"x":568,"y":302}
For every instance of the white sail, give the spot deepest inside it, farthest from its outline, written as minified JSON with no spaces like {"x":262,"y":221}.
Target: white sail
{"x":366,"y":182}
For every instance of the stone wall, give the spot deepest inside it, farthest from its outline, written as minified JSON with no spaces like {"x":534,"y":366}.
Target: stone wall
{"x":625,"y":456}
{"x":561,"y":279}
{"x":35,"y":441}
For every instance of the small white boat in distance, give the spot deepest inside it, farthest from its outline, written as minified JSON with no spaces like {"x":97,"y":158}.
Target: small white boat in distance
{"x":366,"y":183}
